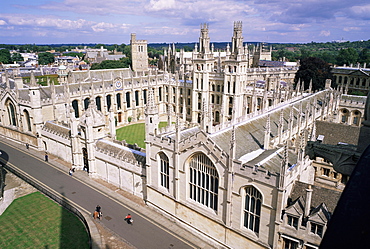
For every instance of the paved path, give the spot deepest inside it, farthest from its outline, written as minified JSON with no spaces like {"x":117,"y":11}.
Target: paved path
{"x":150,"y":229}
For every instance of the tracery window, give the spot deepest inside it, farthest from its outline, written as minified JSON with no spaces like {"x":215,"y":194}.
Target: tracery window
{"x":203,"y":181}
{"x":165,"y":171}
{"x":11,"y":113}
{"x":252,"y":209}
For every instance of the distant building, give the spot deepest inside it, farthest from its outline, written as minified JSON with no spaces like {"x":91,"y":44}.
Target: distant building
{"x":352,"y":78}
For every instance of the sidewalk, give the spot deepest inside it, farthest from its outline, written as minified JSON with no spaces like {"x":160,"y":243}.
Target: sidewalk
{"x":133,"y":202}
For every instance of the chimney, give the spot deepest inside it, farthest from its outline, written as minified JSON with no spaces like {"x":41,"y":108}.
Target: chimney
{"x":307,"y":207}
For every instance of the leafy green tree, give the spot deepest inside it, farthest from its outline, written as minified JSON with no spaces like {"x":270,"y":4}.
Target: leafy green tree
{"x":109,"y":64}
{"x":5,"y":56}
{"x":364,"y":56}
{"x":16,"y":57}
{"x":347,"y":56}
{"x":46,"y":58}
{"x":315,"y":69}
{"x":305,"y":53}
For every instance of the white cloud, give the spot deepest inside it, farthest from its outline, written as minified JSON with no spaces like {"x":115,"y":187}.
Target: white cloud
{"x":2,"y":22}
{"x":325,"y":33}
{"x":351,"y":28}
{"x":361,"y":11}
{"x":157,"y":5}
{"x":102,"y":27}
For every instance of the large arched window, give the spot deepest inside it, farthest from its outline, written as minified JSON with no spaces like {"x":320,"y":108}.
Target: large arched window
{"x":252,"y":209}
{"x":203,"y":181}
{"x":11,"y":114}
{"x":27,"y":119}
{"x":165,"y":171}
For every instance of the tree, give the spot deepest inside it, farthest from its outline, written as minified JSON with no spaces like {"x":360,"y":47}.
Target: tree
{"x":315,"y":69}
{"x":109,"y":64}
{"x":16,"y":57}
{"x":46,"y":58}
{"x":364,"y":56}
{"x":347,"y":56}
{"x":5,"y":57}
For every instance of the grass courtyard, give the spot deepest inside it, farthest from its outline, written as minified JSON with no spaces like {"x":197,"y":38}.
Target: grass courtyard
{"x":35,"y":221}
{"x":134,"y":133}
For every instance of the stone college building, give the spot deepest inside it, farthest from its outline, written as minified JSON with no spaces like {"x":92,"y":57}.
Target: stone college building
{"x":230,"y":165}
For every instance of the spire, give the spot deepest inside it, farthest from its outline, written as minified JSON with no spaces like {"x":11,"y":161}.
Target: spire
{"x":283,"y":169}
{"x":33,"y":79}
{"x":233,"y":143}
{"x":266,"y":144}
{"x":151,"y":107}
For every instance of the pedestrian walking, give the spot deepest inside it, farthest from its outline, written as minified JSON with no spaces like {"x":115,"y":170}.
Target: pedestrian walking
{"x":46,"y":157}
{"x":27,"y":146}
{"x":70,"y":172}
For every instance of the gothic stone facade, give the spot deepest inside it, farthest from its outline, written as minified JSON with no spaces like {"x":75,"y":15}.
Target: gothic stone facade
{"x":227,"y":161}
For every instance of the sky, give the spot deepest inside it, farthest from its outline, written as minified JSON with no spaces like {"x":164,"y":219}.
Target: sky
{"x":172,"y":21}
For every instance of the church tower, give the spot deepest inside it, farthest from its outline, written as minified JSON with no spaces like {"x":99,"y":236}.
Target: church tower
{"x":203,"y":62}
{"x":139,"y":54}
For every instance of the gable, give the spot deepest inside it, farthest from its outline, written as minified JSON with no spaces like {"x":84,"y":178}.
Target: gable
{"x":359,"y":73}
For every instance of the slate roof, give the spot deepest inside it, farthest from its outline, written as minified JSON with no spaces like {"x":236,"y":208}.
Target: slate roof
{"x":120,"y":151}
{"x":333,"y":132}
{"x":250,"y":134}
{"x":55,"y":128}
{"x":319,"y":195}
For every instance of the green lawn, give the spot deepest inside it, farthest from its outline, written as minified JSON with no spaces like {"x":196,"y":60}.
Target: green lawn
{"x":35,"y":221}
{"x":134,"y":133}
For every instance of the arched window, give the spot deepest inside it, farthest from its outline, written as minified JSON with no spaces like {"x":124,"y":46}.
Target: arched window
{"x":165,"y":171}
{"x":86,"y":103}
{"x":137,"y":98}
{"x":75,"y":108}
{"x":11,"y":114}
{"x":128,"y":100}
{"x":98,"y":103}
{"x":203,"y":181}
{"x":118,"y":100}
{"x":217,"y":117}
{"x":160,"y":93}
{"x":252,"y":209}
{"x":109,"y":102}
{"x":27,"y":119}
{"x":144,"y":96}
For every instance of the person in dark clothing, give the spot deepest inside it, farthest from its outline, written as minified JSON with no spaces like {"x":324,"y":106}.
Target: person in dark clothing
{"x":46,"y":157}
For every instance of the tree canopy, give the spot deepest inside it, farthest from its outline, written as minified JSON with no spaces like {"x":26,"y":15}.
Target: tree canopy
{"x":347,"y":56}
{"x":315,"y":69}
{"x":5,"y":56}
{"x":46,"y":58}
{"x":109,"y":64}
{"x":16,"y":57}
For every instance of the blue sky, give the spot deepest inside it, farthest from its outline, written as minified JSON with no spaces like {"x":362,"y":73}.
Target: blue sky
{"x":112,"y":21}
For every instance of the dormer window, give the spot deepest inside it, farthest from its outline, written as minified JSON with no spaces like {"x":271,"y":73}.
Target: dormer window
{"x":292,"y":221}
{"x":317,"y":229}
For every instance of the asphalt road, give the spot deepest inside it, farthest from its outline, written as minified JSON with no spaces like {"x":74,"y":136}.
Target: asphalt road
{"x":143,"y":234}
